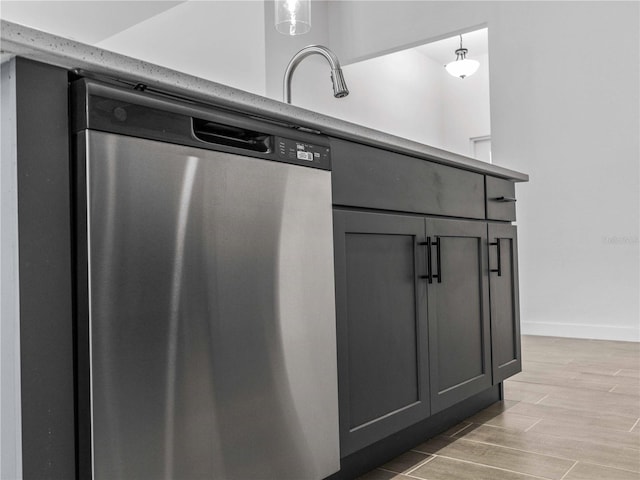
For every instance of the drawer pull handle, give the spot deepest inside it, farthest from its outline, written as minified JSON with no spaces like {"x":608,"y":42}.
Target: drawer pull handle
{"x":430,"y":275}
{"x":499,"y":269}
{"x":505,"y":199}
{"x":438,"y":243}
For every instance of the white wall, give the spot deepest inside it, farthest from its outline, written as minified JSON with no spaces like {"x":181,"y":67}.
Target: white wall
{"x":398,"y":94}
{"x":466,"y":108}
{"x":222,"y":41}
{"x":565,"y":109}
{"x":404,"y":93}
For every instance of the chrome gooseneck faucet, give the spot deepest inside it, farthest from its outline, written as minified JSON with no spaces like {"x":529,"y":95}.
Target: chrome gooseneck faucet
{"x":339,"y":86}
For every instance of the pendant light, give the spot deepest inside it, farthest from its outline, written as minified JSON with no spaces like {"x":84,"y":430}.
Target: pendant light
{"x":462,"y":66}
{"x":293,"y":17}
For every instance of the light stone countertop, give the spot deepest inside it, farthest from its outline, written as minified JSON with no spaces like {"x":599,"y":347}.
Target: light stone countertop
{"x":26,"y":42}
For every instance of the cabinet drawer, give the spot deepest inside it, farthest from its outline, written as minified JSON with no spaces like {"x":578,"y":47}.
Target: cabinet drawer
{"x":501,"y":199}
{"x":370,"y":177}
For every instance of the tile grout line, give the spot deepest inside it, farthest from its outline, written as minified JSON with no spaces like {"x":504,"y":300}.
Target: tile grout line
{"x":428,"y":459}
{"x":503,"y":446}
{"x":586,"y":386}
{"x":389,"y":471}
{"x":543,"y":454}
{"x":578,"y":412}
{"x":404,"y":474}
{"x":413,"y":476}
{"x":492,"y":426}
{"x":538,"y":402}
{"x":614,"y":467}
{"x":531,"y":426}
{"x":458,"y":431}
{"x":567,"y":472}
{"x":489,"y":466}
{"x":634,"y":425}
{"x":584,"y":410}
{"x":411,"y":469}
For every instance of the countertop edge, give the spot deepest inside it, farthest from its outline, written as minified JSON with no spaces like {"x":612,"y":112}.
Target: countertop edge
{"x":65,"y":53}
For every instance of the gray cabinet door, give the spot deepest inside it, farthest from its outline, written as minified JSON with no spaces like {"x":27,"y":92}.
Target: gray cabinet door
{"x":458,"y":299}
{"x":505,"y":310}
{"x":381,"y":325}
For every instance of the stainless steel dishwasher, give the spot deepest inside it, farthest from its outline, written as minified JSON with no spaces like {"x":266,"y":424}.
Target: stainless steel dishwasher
{"x":206,"y":317}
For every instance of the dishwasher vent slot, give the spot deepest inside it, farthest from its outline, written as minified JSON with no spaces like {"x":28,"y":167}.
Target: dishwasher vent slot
{"x":231,"y":136}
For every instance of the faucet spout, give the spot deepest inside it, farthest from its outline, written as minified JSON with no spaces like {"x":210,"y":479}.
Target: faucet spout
{"x":339,"y":85}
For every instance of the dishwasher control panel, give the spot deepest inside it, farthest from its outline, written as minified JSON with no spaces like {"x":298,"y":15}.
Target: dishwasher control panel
{"x":303,"y":153}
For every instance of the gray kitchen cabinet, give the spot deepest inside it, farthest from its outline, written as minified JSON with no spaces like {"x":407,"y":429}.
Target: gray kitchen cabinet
{"x":381,"y":325}
{"x":458,"y":306}
{"x":413,"y":324}
{"x":505,"y":310}
{"x":500,"y":199}
{"x":35,"y":97}
{"x":427,"y":327}
{"x":367,"y":177}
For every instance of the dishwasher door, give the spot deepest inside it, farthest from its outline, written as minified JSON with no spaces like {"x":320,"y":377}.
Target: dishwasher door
{"x":211,"y":314}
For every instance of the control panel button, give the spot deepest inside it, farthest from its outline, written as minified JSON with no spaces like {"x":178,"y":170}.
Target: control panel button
{"x":305,"y":156}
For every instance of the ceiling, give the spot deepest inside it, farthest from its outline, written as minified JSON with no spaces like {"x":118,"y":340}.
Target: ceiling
{"x":443,"y":51}
{"x":85,"y":21}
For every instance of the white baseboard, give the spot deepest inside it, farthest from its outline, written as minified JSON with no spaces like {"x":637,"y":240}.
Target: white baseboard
{"x":575,"y":330}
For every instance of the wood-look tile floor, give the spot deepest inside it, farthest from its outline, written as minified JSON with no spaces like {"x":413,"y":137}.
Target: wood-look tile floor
{"x":571,"y":414}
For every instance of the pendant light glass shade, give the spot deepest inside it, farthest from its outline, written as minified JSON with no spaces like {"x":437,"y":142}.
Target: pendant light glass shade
{"x":462,"y":66}
{"x":293,"y":17}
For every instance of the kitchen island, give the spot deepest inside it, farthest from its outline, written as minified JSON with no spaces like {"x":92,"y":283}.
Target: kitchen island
{"x":425,"y":261}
